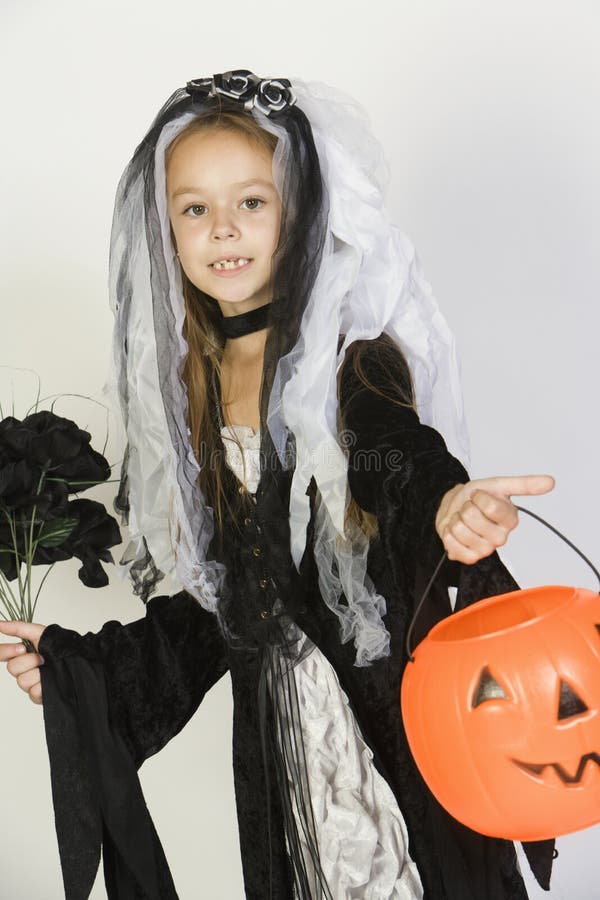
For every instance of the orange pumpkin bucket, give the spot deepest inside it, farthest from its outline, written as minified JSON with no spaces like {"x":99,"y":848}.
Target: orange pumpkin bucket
{"x":501,"y":706}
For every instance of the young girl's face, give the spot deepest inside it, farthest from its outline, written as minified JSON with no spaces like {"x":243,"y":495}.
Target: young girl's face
{"x":224,"y":207}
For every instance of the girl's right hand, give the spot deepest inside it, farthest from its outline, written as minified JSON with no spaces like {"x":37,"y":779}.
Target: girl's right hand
{"x":22,"y":665}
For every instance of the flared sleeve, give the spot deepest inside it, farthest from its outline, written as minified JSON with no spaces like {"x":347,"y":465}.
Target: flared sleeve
{"x":111,"y":700}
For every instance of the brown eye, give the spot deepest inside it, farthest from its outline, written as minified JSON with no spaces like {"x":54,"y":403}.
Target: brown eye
{"x":487,"y":689}
{"x":569,"y":704}
{"x":195,"y":210}
{"x":256,"y":203}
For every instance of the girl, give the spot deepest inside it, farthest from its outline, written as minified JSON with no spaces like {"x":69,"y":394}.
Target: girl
{"x":279,"y":363}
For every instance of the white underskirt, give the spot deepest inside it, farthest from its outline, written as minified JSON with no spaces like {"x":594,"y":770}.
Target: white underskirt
{"x":362,"y":837}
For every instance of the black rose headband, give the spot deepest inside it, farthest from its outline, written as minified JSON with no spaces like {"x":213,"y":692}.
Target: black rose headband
{"x":268,"y":95}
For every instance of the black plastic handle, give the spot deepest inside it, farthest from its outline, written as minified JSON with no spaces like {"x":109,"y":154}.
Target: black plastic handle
{"x":431,"y":581}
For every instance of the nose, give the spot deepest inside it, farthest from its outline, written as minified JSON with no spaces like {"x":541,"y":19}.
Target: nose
{"x":224,"y":228}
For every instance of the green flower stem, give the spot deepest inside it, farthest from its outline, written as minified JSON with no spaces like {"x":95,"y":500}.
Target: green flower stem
{"x":13,"y":530}
{"x":30,"y":547}
{"x":48,"y":570}
{"x":28,"y":558}
{"x":24,"y":609}
{"x":5,"y":587}
{"x":30,"y":553}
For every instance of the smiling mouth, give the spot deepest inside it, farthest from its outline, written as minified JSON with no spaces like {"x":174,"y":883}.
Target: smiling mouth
{"x":229,"y":264}
{"x":538,"y":770}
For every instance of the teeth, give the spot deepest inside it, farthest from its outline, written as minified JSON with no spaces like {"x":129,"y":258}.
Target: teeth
{"x":230,"y":263}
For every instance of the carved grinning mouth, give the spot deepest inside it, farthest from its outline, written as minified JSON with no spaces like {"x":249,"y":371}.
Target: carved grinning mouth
{"x":565,"y":777}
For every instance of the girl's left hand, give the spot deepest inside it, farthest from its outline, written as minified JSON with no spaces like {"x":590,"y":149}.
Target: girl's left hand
{"x":475,"y":518}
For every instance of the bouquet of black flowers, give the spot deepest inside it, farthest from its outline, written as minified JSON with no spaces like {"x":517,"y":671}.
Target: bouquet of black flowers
{"x":43,"y":460}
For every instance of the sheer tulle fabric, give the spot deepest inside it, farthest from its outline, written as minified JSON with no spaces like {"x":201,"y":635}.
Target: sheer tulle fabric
{"x":369,"y":281}
{"x":166,"y":513}
{"x":360,"y":277}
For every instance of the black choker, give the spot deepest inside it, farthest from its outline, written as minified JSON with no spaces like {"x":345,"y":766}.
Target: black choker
{"x":245,"y":323}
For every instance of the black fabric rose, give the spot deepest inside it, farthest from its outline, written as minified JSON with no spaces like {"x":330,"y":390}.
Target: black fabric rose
{"x":46,"y":508}
{"x":239,"y":84}
{"x":273,"y":95}
{"x":269,"y":95}
{"x":44,"y":440}
{"x":18,"y":483}
{"x":84,"y":530}
{"x":93,"y":532}
{"x":43,"y":459}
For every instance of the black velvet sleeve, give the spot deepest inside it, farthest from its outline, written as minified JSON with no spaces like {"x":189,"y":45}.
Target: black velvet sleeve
{"x":156,"y":669}
{"x":399,"y":470}
{"x":111,"y":700}
{"x":397,"y":467}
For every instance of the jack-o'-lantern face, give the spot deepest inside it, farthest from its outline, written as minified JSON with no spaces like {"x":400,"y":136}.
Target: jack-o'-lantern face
{"x":502,"y":713}
{"x":559,"y":728}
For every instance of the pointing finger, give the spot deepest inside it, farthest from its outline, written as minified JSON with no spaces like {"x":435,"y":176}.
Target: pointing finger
{"x":516,"y":485}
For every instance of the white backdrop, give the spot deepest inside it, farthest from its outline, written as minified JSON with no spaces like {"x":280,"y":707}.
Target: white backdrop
{"x":488,"y":113}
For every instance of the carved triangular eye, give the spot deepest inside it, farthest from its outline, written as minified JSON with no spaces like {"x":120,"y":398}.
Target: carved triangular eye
{"x":487,"y":689}
{"x":569,"y":704}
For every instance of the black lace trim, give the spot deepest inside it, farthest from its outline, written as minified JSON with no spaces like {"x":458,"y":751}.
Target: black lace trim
{"x":280,"y":728}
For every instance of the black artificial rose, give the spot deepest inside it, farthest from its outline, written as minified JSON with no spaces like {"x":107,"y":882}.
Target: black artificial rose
{"x":269,"y":95}
{"x":50,"y":530}
{"x":239,"y":84}
{"x":50,"y":502}
{"x":54,"y":531}
{"x":45,"y":442}
{"x":86,"y":531}
{"x":18,"y":483}
{"x":5,"y":427}
{"x":273,"y":95}
{"x":20,"y":522}
{"x":47,"y":512}
{"x":43,"y":458}
{"x":68,"y":448}
{"x":23,"y":490}
{"x":18,"y":480}
{"x":95,"y":533}
{"x":39,"y":437}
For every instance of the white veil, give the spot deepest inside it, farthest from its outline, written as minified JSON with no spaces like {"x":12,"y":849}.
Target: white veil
{"x":368,"y":281}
